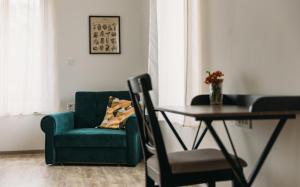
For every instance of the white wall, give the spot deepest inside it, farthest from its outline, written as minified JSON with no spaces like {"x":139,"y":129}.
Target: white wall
{"x":257,"y":45}
{"x":21,"y":133}
{"x":89,"y":72}
{"x":98,"y":72}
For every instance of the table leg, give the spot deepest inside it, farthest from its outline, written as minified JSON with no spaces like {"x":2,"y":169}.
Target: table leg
{"x":195,"y":139}
{"x":240,"y":176}
{"x":201,"y":138}
{"x":174,"y":130}
{"x":232,"y":145}
{"x":236,"y":170}
{"x":267,"y":149}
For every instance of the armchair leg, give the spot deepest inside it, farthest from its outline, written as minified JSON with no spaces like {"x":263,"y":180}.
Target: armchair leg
{"x":211,"y":184}
{"x":236,"y":183}
{"x":149,"y":182}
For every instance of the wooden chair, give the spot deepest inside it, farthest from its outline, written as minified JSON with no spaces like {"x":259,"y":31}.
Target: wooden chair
{"x":176,"y":168}
{"x":204,"y":100}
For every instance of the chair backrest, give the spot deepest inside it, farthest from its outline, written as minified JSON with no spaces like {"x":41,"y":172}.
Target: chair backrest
{"x":228,"y":99}
{"x":150,"y":133}
{"x":204,"y":100}
{"x":90,"y":107}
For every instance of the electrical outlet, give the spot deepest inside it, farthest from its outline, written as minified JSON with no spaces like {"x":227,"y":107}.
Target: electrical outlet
{"x":70,"y":107}
{"x":244,"y":124}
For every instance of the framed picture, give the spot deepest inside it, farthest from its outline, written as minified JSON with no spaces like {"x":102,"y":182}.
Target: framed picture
{"x":104,"y":34}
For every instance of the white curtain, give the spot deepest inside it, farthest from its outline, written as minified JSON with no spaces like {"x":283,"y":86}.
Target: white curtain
{"x":176,"y":43}
{"x":27,"y":69}
{"x":166,"y":54}
{"x":153,"y":50}
{"x":196,"y":66}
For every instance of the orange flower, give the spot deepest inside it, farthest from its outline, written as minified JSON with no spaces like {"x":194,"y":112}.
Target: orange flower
{"x":215,"y":77}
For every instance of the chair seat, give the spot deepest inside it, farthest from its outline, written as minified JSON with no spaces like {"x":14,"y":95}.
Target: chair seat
{"x":91,"y":137}
{"x":203,"y":160}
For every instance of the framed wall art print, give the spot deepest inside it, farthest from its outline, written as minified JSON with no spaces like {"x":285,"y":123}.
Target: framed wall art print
{"x":104,"y":33}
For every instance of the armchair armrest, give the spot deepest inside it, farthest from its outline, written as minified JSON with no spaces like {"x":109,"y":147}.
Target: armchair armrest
{"x":52,"y":125}
{"x":131,"y":125}
{"x":134,"y":149}
{"x":57,"y":123}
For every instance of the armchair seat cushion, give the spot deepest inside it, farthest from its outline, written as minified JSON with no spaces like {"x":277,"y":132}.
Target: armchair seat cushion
{"x":91,"y":137}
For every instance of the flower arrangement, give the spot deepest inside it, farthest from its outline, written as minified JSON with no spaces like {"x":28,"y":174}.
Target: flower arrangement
{"x":215,"y":80}
{"x":214,"y":77}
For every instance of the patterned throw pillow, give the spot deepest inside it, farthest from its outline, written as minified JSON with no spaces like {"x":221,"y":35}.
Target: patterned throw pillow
{"x":117,"y":112}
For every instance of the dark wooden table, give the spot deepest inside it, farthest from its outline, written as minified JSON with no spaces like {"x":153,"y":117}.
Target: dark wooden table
{"x":208,"y":114}
{"x":220,"y":112}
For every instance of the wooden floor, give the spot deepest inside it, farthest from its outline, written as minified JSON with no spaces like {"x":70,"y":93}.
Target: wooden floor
{"x":30,"y":170}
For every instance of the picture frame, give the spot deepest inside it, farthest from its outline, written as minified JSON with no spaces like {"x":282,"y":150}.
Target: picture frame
{"x":104,"y":35}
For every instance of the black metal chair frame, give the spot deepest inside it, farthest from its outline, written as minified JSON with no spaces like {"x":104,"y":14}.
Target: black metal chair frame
{"x":262,"y":104}
{"x":148,"y":131}
{"x":142,"y":84}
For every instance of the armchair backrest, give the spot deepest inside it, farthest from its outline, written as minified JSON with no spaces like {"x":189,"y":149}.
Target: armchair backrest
{"x":90,"y":107}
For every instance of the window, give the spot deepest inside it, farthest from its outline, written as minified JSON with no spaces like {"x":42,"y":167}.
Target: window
{"x":27,"y":69}
{"x":171,"y":29}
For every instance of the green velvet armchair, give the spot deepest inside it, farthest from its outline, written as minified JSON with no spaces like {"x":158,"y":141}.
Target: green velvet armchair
{"x":71,"y":137}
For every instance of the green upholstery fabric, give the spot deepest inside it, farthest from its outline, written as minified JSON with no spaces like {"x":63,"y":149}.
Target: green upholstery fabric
{"x":133,"y":142}
{"x":92,"y":155}
{"x":57,"y":123}
{"x":91,"y":137}
{"x":90,"y":107}
{"x":71,"y":137}
{"x":51,"y":125}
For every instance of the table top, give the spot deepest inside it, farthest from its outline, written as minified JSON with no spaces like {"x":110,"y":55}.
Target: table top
{"x":220,"y":112}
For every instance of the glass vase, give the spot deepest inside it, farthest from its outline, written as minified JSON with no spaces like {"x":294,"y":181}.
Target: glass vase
{"x":216,"y":94}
